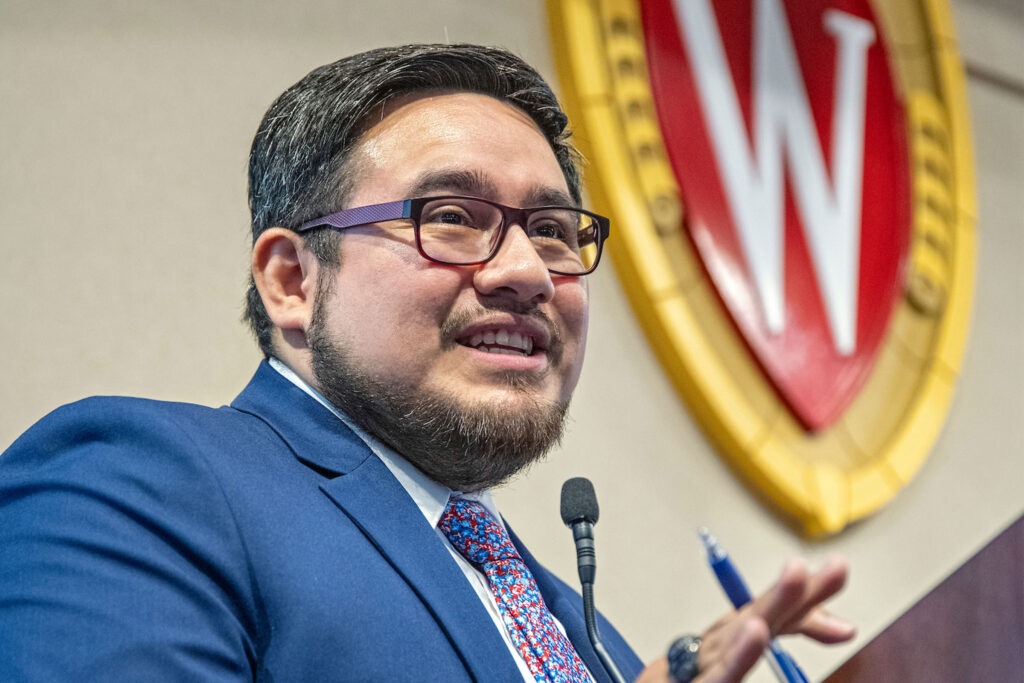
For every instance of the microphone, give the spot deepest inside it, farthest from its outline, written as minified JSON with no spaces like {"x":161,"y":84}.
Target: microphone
{"x":580,"y":512}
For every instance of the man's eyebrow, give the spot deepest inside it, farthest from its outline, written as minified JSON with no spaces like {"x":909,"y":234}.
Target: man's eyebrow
{"x":476,"y":184}
{"x":549,"y":196}
{"x":471,"y":183}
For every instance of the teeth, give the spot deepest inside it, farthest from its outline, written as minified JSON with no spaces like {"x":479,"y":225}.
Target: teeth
{"x":486,"y":341}
{"x":520,"y":342}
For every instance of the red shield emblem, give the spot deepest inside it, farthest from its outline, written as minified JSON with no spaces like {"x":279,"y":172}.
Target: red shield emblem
{"x":784,"y":130}
{"x":792,"y":202}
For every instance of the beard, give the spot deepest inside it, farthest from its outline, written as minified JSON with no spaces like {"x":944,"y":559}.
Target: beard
{"x":465,"y":446}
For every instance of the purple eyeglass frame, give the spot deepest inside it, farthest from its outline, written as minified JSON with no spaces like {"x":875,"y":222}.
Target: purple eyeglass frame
{"x":408,"y":208}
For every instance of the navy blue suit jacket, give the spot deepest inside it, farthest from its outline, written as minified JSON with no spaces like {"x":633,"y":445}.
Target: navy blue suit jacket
{"x":142,"y":540}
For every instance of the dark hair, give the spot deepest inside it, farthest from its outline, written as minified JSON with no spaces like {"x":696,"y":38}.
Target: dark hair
{"x":297,"y":165}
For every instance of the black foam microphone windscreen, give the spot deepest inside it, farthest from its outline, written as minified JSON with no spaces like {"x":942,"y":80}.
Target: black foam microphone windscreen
{"x":579,"y":502}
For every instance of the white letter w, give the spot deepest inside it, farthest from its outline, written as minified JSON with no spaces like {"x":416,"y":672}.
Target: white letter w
{"x":829,"y":203}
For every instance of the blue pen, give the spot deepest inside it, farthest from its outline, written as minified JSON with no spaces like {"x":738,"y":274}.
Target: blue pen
{"x":782,"y":664}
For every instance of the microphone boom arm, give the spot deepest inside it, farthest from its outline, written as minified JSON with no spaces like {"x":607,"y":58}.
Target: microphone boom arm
{"x":580,"y":511}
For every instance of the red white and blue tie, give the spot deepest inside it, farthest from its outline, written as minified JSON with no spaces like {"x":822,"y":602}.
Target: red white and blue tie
{"x":483,"y":541}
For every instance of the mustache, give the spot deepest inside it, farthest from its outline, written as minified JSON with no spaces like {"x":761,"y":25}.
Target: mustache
{"x":460,"y":320}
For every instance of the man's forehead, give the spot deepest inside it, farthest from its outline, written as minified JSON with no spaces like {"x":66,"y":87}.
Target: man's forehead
{"x":450,"y":115}
{"x":434,"y":96}
{"x":425,"y":99}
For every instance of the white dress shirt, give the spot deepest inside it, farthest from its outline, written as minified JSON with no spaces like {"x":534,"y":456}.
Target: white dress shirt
{"x":431,"y":498}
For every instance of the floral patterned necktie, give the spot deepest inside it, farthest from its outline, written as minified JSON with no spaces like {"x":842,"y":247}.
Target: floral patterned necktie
{"x":479,"y":537}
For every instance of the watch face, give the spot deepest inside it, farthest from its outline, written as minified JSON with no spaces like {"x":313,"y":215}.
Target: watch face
{"x":793,"y":221}
{"x":683,"y":659}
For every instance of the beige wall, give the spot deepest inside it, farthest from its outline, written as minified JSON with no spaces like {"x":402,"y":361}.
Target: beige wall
{"x":124,"y":129}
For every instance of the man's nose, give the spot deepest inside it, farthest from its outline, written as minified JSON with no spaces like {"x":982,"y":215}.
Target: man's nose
{"x":517,"y":270}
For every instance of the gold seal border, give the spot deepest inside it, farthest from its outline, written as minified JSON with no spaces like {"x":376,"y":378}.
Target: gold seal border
{"x":820,"y":482}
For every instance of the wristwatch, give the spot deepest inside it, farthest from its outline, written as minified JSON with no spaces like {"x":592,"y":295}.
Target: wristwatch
{"x":683,"y":656}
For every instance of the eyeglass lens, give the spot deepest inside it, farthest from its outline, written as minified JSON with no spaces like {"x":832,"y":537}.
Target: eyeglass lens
{"x":463,"y":230}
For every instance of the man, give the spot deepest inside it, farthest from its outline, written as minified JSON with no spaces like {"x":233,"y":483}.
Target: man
{"x":419,"y":290}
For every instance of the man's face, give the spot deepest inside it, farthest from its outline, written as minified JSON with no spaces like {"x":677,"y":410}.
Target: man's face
{"x":465,"y":370}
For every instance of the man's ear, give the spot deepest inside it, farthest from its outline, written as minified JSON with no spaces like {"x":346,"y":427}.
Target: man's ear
{"x":285,"y":273}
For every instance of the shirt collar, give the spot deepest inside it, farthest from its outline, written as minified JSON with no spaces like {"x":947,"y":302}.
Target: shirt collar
{"x":430,"y":496}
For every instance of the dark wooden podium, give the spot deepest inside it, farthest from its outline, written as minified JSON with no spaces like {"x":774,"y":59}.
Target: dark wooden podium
{"x":969,"y":628}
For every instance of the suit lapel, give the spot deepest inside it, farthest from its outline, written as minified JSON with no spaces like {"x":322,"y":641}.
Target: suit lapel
{"x":373,"y":499}
{"x":314,"y":434}
{"x":381,"y":508}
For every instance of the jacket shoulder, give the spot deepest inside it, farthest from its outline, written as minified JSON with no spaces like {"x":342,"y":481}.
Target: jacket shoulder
{"x":121,"y":495}
{"x":113,"y":423}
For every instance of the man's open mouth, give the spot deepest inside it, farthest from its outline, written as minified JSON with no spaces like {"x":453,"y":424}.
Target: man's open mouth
{"x":500,"y":341}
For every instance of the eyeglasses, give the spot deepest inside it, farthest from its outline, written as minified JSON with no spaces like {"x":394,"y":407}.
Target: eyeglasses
{"x":465,"y":231}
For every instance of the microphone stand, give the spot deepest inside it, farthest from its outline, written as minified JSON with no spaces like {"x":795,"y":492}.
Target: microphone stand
{"x":595,"y":637}
{"x":583,"y":535}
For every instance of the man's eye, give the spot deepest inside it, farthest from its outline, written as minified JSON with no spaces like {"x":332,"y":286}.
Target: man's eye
{"x":450,"y":215}
{"x":552,"y":231}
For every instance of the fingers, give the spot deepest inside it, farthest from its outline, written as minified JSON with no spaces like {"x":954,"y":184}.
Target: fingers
{"x":792,"y":605}
{"x":780,"y":604}
{"x":825,"y":627}
{"x":734,"y":643}
{"x":828,"y":580}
